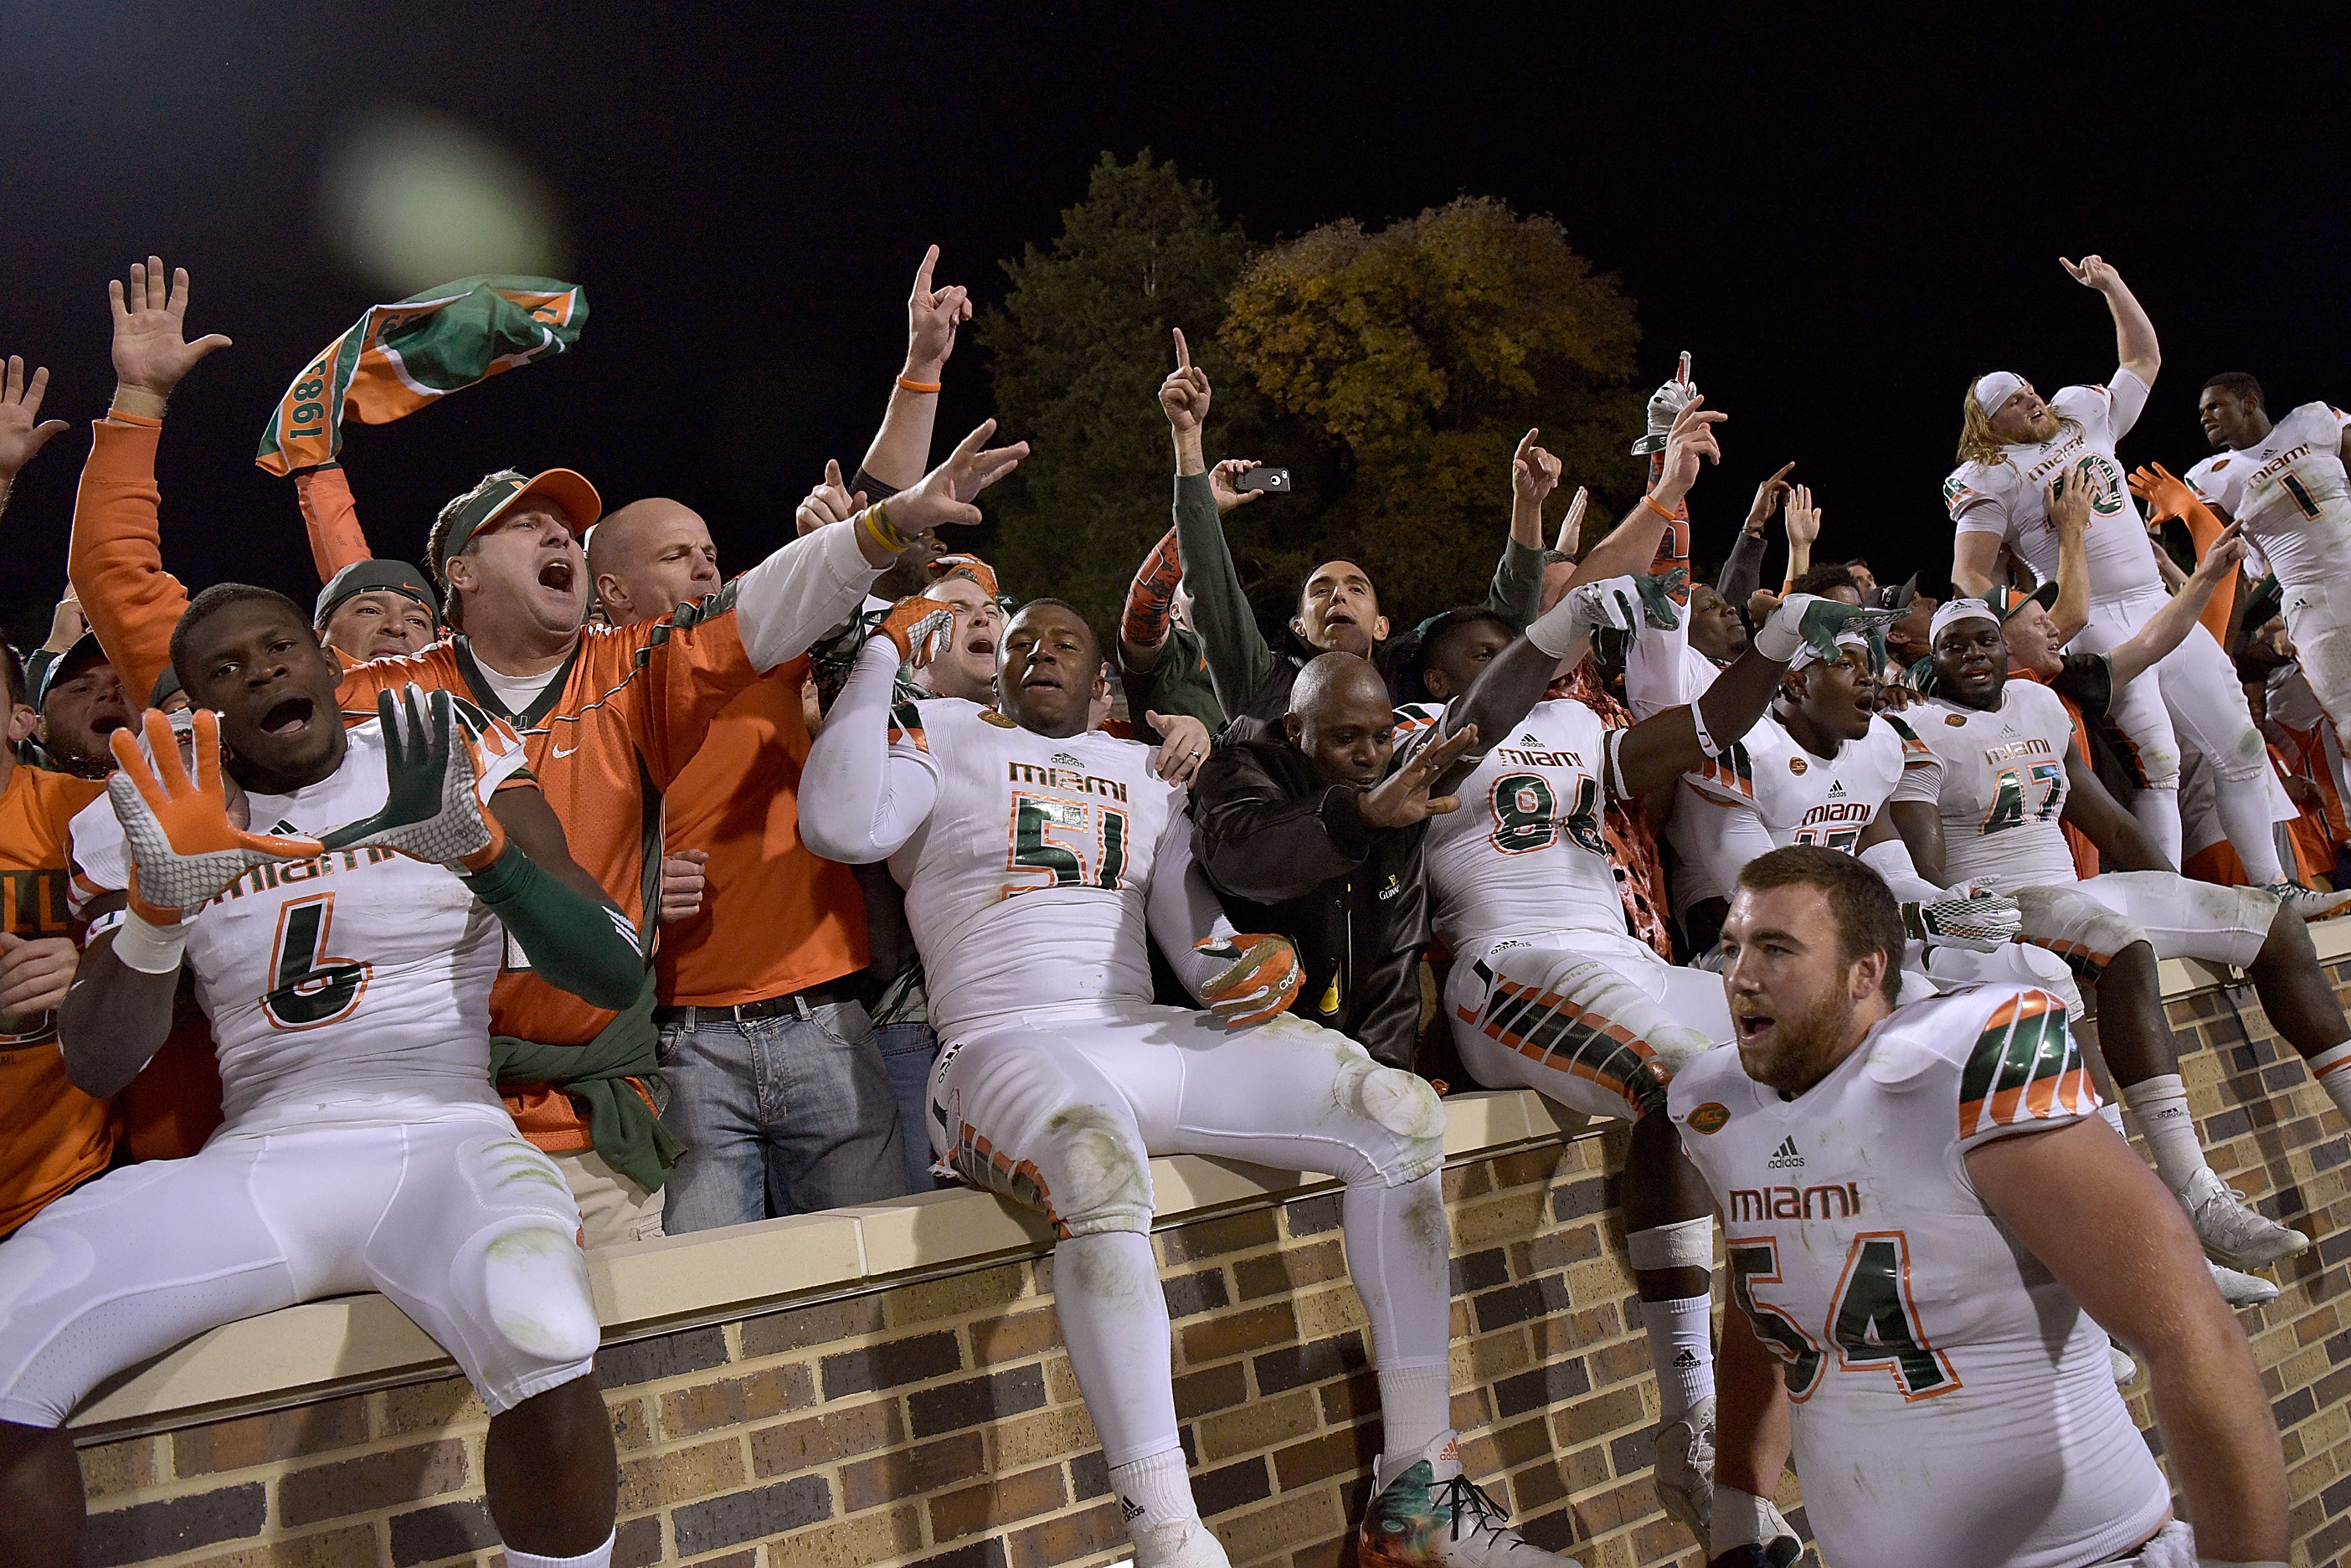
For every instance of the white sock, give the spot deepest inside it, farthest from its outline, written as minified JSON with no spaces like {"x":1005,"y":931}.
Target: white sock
{"x":2243,"y":806}
{"x":2158,"y":811}
{"x":2113,"y":1112}
{"x":1415,"y":1408}
{"x":1683,"y":1350}
{"x":1153,"y":1491}
{"x":2160,"y":1104}
{"x":1114,"y":1323}
{"x":599,"y":1557}
{"x":2332,"y":1068}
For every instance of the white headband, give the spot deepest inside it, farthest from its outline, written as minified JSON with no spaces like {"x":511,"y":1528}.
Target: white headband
{"x":1996,"y":388}
{"x":1807,"y":654}
{"x":1955,"y":611}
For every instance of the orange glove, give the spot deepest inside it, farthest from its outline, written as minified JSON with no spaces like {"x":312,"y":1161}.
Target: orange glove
{"x":2165,"y":498}
{"x":1261,"y":983}
{"x":184,"y":849}
{"x":970,"y":565}
{"x":921,"y":626}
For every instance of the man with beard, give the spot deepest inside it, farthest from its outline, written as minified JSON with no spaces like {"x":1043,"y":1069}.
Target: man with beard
{"x":81,"y":702}
{"x":1060,"y":1080}
{"x":2012,"y":440}
{"x":345,"y":959}
{"x":2002,"y":771}
{"x":1926,"y":1225}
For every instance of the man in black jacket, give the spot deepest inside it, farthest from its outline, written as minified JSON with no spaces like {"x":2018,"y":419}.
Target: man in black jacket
{"x":1306,"y":831}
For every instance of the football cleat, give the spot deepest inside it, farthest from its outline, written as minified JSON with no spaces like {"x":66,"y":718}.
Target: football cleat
{"x":2232,"y":1230}
{"x":1684,"y":1470}
{"x":1186,"y":1543}
{"x":2125,"y":1369}
{"x":2308,"y":902}
{"x":2241,"y":1289}
{"x":1750,"y":1533}
{"x":1433,"y":1514}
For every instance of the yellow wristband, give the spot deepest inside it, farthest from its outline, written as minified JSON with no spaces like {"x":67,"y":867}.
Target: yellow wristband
{"x":875,"y":523}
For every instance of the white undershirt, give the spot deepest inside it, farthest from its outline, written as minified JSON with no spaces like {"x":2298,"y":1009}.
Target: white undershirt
{"x":517,"y":692}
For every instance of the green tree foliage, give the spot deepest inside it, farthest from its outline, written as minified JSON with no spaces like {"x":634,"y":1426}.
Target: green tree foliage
{"x":1426,"y":350}
{"x":1076,"y":353}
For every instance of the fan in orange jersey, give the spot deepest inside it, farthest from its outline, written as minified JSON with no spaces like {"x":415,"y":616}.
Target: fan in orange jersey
{"x":607,"y":716}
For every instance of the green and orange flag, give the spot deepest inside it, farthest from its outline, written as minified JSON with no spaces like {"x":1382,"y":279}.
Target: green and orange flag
{"x":397,"y":357}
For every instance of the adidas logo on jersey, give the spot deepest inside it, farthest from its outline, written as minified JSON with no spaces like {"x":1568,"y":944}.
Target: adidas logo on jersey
{"x":2008,"y":729}
{"x":1528,"y":739}
{"x":1785,"y":1157}
{"x":1836,"y":789}
{"x":1063,"y":760}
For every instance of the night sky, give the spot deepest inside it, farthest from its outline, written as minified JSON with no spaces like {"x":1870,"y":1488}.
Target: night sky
{"x":1843,"y":223}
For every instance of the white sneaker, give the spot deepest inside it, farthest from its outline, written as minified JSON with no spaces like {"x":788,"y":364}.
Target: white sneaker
{"x":2241,"y":1289}
{"x":2125,"y":1369}
{"x":1433,"y":1514}
{"x":2308,"y":902}
{"x":1186,"y":1543}
{"x":2232,"y":1230}
{"x":1684,"y":1470}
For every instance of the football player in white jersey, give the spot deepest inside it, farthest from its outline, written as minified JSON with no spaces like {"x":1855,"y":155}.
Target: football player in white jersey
{"x":345,"y":961}
{"x":2010,"y":442}
{"x":2286,"y":483}
{"x":1548,"y":990}
{"x":2005,"y":773}
{"x":1035,"y":855}
{"x":1926,"y":1223}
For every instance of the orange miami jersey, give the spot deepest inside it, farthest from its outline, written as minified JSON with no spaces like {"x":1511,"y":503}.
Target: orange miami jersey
{"x":56,"y":1136}
{"x":1953,"y":1406}
{"x":622,"y":716}
{"x":351,"y":988}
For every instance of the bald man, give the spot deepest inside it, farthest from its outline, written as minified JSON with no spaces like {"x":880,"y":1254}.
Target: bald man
{"x":777,"y":1086}
{"x":1309,"y":832}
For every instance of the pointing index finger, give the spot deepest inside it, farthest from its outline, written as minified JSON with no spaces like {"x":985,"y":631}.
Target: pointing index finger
{"x":1183,"y":351}
{"x":923,"y":273}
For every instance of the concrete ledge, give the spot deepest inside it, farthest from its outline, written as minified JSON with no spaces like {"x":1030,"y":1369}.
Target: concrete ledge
{"x":356,"y":1342}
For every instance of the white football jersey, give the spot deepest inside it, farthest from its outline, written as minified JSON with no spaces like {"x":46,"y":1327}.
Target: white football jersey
{"x":1524,"y":857}
{"x":1999,"y":779}
{"x":1801,"y":799}
{"x":354,"y":988}
{"x":1952,"y":1404}
{"x":2289,"y":491}
{"x":2005,"y":498}
{"x":1026,"y":886}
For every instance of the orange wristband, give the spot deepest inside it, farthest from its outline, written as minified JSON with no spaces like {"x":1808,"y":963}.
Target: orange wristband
{"x":918,"y":386}
{"x":1651,"y":502}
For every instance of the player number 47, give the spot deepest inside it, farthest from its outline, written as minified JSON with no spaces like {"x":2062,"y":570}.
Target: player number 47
{"x":2007,"y":810}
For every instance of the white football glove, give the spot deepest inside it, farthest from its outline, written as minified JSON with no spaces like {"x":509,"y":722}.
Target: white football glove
{"x":1967,"y":917}
{"x":1748,"y":1531}
{"x":1666,"y":406}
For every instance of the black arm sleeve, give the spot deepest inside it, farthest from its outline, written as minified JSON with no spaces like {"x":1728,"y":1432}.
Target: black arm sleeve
{"x":1742,"y":573}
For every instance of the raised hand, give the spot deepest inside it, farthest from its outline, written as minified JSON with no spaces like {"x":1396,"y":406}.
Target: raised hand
{"x":2093,"y":271}
{"x":1259,"y":983}
{"x":1691,"y":439}
{"x":921,"y":627}
{"x":1666,"y":406}
{"x":1803,"y":517}
{"x":1802,"y":617}
{"x":1534,"y":473}
{"x":943,"y":495}
{"x":35,"y":972}
{"x":1224,"y":483}
{"x":22,"y":431}
{"x":2164,"y":496}
{"x":430,"y":811}
{"x":1767,"y":496}
{"x":184,"y":849}
{"x":1182,"y":746}
{"x":1571,"y":527}
{"x":150,"y":347}
{"x":2068,"y":502}
{"x":932,"y":317}
{"x":830,"y":502}
{"x":1403,"y":797}
{"x":1184,"y":394}
{"x":67,"y":623}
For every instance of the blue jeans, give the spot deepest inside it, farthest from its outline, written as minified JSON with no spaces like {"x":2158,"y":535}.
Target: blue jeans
{"x":908,"y":1049}
{"x":778,"y":1115}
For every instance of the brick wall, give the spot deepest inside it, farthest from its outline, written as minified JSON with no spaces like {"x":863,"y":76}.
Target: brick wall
{"x":938,"y":1423}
